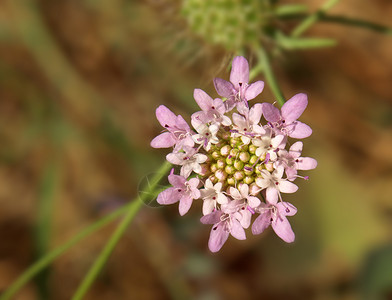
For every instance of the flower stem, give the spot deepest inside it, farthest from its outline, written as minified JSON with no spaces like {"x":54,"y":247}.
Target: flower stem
{"x":101,"y":260}
{"x":269,"y":75}
{"x":42,"y":263}
{"x":313,"y":18}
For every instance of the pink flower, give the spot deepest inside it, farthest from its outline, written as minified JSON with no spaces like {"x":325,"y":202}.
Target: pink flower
{"x":275,"y":215}
{"x":285,"y":121}
{"x":182,"y":191}
{"x":225,"y":222}
{"x":291,"y":161}
{"x":190,"y":160}
{"x":238,"y":90}
{"x":275,"y":184}
{"x":178,"y":132}
{"x":212,"y":110}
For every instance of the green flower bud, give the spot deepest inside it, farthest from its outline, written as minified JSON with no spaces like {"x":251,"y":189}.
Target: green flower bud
{"x":244,"y":156}
{"x":239,"y":165}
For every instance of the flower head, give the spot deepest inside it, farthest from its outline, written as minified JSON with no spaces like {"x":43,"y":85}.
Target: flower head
{"x":236,"y":162}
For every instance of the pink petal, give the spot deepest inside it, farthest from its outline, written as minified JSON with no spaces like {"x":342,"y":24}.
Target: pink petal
{"x":262,"y":222}
{"x":218,"y":237}
{"x":237,"y":230}
{"x":300,"y":131}
{"x":208,"y":207}
{"x":175,"y":158}
{"x":253,"y":201}
{"x":169,"y":196}
{"x":286,"y":209}
{"x":294,"y":107}
{"x":224,"y":88}
{"x":239,"y":120}
{"x":177,"y":181}
{"x":165,"y":116}
{"x":270,"y":112}
{"x":202,"y":99}
{"x":255,"y":113}
{"x":283,"y":229}
{"x":182,"y":124}
{"x":239,"y":71}
{"x":296,"y":149}
{"x":164,"y":140}
{"x":185,"y":204}
{"x":219,"y":106}
{"x":306,"y":163}
{"x":254,"y":90}
{"x":212,"y":218}
{"x":272,"y":195}
{"x":287,"y":187}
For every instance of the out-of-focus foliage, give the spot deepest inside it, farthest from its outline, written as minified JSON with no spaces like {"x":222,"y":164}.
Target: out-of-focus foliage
{"x":79,"y":84}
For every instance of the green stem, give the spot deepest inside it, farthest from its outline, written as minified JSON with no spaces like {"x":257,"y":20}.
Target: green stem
{"x":356,"y":22}
{"x":42,"y":231}
{"x":54,"y":254}
{"x":42,"y":263}
{"x":101,"y":260}
{"x":313,"y":18}
{"x":269,"y":75}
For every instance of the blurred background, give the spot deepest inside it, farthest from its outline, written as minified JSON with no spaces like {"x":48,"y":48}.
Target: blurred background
{"x":79,"y":85}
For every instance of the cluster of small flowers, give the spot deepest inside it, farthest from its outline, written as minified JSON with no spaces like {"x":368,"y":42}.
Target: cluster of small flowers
{"x":241,"y":165}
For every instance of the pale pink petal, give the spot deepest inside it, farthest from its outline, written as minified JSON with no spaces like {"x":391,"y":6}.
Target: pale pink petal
{"x":169,"y":196}
{"x":164,"y":140}
{"x":182,"y":124}
{"x":262,"y":222}
{"x":175,"y":158}
{"x":239,"y":71}
{"x":271,"y":113}
{"x":244,"y":190}
{"x":202,"y":99}
{"x":185,"y":204}
{"x":208,"y":207}
{"x":294,"y":107}
{"x":296,"y":149}
{"x":224,"y":88}
{"x":306,"y":163}
{"x":194,"y":182}
{"x":165,"y":116}
{"x":245,"y":218}
{"x":235,"y":193}
{"x":253,"y":201}
{"x":240,"y":121}
{"x":272,"y":195}
{"x":254,"y":90}
{"x":176,"y":180}
{"x":300,"y":131}
{"x":237,"y":230}
{"x":286,"y":209}
{"x":212,"y":218}
{"x":222,"y":199}
{"x":186,"y":170}
{"x":218,"y":237}
{"x":287,"y":186}
{"x":255,"y":113}
{"x":219,"y":106}
{"x":283,"y":229}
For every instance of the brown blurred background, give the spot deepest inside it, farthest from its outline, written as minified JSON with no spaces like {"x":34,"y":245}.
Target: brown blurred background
{"x":79,"y":84}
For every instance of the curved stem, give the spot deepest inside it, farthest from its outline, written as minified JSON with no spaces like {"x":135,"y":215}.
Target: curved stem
{"x":42,"y":263}
{"x":50,"y":257}
{"x":313,"y":18}
{"x":101,"y":260}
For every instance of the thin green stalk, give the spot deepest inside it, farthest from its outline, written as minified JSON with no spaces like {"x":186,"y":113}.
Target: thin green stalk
{"x":356,"y":22}
{"x":43,"y":262}
{"x":42,"y":230}
{"x":269,"y":75}
{"x":101,"y":260}
{"x":313,"y":18}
